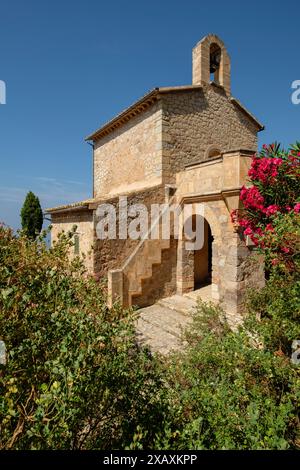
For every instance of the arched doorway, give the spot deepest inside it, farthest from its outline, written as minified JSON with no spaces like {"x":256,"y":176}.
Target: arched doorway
{"x":203,"y":255}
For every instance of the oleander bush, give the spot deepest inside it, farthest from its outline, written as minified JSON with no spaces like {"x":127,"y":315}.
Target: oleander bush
{"x":273,"y":191}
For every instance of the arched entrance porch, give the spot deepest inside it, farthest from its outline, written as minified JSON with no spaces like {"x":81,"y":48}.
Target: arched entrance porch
{"x":199,"y":265}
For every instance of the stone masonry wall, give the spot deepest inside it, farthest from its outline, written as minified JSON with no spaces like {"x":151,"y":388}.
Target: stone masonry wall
{"x":129,"y":158}
{"x":112,"y":254}
{"x":194,"y":121}
{"x":64,"y":222}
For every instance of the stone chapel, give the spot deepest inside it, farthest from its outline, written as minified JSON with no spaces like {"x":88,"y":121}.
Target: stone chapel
{"x":185,"y":144}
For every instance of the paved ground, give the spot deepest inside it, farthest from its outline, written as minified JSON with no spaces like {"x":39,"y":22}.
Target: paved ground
{"x":160,"y":325}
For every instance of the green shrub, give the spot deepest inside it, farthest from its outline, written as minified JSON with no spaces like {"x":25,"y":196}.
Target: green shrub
{"x":226,"y":392}
{"x":75,"y":377}
{"x":276,"y":313}
{"x":277,"y":305}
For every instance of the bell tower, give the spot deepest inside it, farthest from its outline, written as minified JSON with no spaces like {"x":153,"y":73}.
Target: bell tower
{"x":211,"y":57}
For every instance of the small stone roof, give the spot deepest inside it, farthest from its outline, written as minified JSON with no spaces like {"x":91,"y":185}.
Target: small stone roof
{"x":68,"y":207}
{"x":147,"y":100}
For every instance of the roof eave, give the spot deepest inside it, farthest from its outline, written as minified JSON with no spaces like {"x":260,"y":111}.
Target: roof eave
{"x":57,"y":210}
{"x":139,"y":106}
{"x":237,"y":103}
{"x":76,"y":206}
{"x":147,"y":100}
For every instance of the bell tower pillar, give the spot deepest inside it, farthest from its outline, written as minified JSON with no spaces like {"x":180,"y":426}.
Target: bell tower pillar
{"x":211,"y":57}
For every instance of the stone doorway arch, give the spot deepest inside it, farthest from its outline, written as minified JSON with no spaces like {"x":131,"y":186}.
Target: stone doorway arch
{"x":200,"y":266}
{"x":203,"y":255}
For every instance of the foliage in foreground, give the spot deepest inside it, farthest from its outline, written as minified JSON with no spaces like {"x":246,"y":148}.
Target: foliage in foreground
{"x":277,"y":305}
{"x":74,"y":378}
{"x":229,"y":392}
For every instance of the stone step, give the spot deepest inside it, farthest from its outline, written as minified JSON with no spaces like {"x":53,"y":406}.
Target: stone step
{"x":160,"y":326}
{"x":204,"y":293}
{"x":179,"y":303}
{"x":165,"y":319}
{"x":158,"y":340}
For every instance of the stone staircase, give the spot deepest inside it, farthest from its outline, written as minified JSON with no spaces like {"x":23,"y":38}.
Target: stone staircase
{"x":139,"y":266}
{"x":160,"y":326}
{"x":126,"y":283}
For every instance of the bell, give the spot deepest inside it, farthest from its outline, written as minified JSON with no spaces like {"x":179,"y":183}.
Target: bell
{"x":215,"y":60}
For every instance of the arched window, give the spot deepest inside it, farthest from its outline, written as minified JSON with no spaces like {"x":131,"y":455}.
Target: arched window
{"x":213,"y":152}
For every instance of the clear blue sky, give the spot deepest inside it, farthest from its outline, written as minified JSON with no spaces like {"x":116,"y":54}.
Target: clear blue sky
{"x":69,"y":66}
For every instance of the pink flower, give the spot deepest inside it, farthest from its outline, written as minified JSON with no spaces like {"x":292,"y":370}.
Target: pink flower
{"x":244,"y":223}
{"x":259,"y":231}
{"x":294,"y":159}
{"x":248,"y":231}
{"x":244,"y":192}
{"x":297,"y":208}
{"x":269,"y":228}
{"x":285,"y":250}
{"x":251,"y":197}
{"x":271,"y":210}
{"x":264,"y":169}
{"x":274,"y":261}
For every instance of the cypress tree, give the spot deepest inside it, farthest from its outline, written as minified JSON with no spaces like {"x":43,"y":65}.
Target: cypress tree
{"x":32,"y":216}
